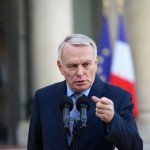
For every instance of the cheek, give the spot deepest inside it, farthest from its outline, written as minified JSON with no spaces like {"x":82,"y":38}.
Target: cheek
{"x":93,"y":72}
{"x":95,"y":69}
{"x":69,"y":74}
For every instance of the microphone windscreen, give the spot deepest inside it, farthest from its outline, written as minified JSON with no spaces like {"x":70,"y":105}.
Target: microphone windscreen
{"x":83,"y":101}
{"x":66,"y":101}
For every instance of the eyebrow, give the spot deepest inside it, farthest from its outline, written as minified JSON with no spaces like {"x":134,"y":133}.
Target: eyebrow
{"x":73,"y":63}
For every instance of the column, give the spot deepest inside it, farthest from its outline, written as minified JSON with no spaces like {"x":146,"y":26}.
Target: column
{"x":52,"y":21}
{"x":138,"y":23}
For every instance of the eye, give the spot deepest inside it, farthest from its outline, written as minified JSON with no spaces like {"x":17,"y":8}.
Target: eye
{"x":86,"y":65}
{"x":72,"y":67}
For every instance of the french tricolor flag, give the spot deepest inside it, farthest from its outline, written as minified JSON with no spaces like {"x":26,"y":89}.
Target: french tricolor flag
{"x":122,"y":69}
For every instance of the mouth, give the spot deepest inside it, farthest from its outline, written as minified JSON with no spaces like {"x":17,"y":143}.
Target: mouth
{"x":80,"y":82}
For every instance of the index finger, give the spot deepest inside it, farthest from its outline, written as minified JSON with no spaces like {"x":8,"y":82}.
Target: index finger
{"x":105,"y":100}
{"x":95,"y":99}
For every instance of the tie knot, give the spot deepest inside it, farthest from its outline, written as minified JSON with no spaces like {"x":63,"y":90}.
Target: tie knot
{"x":77,"y":95}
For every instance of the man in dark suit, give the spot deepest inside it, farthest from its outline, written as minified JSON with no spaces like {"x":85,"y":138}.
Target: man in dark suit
{"x":110,"y":119}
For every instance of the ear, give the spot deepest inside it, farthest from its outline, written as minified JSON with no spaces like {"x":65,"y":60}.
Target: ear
{"x":96,"y":61}
{"x":60,"y":67}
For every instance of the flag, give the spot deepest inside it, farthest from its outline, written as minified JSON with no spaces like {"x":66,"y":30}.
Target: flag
{"x":122,"y":69}
{"x":104,"y":52}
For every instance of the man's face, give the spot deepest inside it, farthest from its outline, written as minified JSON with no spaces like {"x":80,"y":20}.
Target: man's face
{"x":79,"y":66}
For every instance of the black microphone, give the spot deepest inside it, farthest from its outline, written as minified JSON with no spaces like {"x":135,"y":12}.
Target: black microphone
{"x":83,"y":105}
{"x":66,"y":105}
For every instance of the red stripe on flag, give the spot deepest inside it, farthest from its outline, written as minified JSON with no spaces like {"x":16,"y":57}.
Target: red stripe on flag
{"x":128,"y":86}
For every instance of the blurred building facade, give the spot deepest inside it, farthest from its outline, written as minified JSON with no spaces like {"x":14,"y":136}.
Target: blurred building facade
{"x":30,"y":32}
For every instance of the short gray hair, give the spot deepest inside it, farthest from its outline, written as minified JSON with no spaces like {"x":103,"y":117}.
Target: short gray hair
{"x":76,"y":39}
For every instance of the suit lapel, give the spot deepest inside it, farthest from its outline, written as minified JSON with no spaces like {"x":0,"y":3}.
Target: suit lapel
{"x":97,"y":90}
{"x":58,"y":94}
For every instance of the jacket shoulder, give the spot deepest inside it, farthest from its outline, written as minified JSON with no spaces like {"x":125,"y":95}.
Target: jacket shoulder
{"x":52,"y":88}
{"x":115,"y":89}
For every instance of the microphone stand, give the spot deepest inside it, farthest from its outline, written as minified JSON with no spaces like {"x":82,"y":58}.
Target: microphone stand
{"x":75,"y":132}
{"x":75,"y":135}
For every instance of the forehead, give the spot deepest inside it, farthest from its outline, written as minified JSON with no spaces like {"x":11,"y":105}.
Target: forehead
{"x":70,"y":49}
{"x":77,"y":53}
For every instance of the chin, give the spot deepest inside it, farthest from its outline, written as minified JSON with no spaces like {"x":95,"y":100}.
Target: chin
{"x":82,"y":88}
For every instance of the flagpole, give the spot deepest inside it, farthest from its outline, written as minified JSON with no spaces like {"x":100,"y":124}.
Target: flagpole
{"x":105,"y":7}
{"x":120,"y":7}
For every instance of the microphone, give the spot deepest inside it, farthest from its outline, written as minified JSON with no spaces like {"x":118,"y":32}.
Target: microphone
{"x":83,"y":105}
{"x":66,"y":105}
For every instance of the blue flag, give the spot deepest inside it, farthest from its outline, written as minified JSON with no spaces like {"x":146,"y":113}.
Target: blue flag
{"x":104,"y":52}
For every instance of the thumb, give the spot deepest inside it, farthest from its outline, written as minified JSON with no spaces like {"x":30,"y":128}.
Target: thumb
{"x":95,"y":99}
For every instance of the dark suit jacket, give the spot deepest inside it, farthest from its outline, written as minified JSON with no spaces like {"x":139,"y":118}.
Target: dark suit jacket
{"x":47,"y":132}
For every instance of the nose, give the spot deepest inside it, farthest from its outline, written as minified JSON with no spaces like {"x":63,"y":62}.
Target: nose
{"x":80,"y":71}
